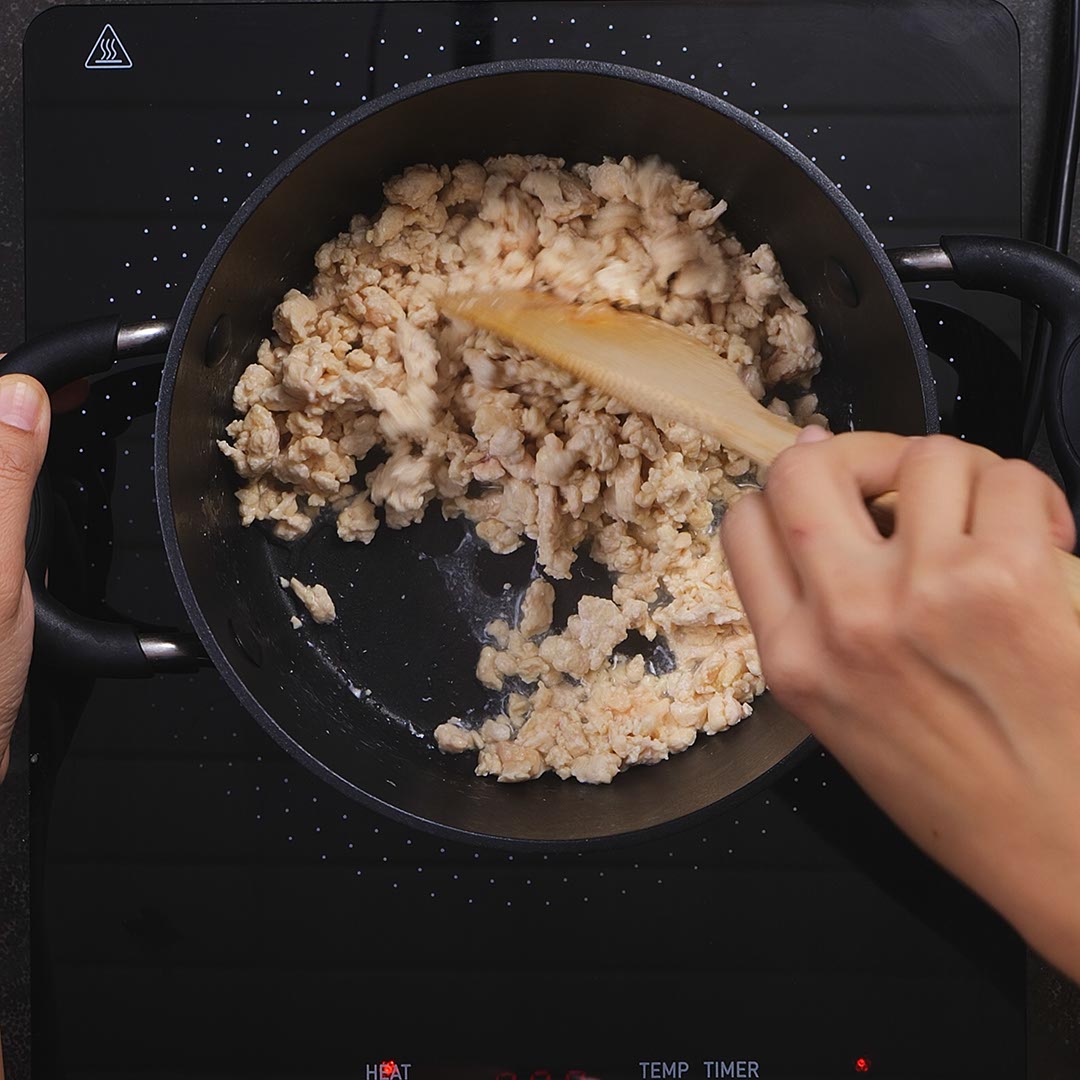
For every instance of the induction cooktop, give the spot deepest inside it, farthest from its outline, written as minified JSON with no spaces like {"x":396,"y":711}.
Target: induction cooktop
{"x":206,"y":908}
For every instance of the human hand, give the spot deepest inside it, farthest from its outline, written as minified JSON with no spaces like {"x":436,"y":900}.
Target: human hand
{"x":24,"y":434}
{"x":941,"y":666}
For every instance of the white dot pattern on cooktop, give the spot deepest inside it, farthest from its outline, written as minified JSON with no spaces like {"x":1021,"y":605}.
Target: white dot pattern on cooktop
{"x":268,"y":134}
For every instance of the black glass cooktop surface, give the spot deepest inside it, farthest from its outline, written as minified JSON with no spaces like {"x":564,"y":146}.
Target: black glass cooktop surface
{"x":206,"y":908}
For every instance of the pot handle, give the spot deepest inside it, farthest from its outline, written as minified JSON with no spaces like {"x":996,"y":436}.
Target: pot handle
{"x":63,"y":638}
{"x":1038,"y":276}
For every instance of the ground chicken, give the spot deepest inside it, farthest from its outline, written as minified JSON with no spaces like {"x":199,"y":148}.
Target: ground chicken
{"x":316,"y":599}
{"x":536,"y":609}
{"x":364,"y":362}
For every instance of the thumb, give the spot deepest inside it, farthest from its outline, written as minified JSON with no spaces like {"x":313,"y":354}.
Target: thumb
{"x":24,"y":434}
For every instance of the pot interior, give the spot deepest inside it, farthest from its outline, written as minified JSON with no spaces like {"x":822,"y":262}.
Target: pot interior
{"x":355,"y":700}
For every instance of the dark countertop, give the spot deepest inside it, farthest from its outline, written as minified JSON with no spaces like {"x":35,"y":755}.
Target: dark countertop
{"x":1054,"y":1045}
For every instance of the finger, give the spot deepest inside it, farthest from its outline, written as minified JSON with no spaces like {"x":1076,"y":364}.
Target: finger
{"x":24,"y":433}
{"x":764,"y":577}
{"x":1062,"y":524}
{"x":817,"y":495}
{"x":935,"y":490}
{"x":812,"y":433}
{"x":66,"y":399}
{"x":1016,"y":503}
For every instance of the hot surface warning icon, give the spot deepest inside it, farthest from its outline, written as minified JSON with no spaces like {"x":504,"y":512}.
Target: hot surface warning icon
{"x":108,"y":51}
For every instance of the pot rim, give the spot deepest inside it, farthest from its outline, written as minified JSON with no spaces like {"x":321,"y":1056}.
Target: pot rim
{"x":194,"y":298}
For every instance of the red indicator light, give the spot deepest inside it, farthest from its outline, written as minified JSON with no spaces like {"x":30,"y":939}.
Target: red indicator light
{"x":862,"y":1064}
{"x":388,"y":1068}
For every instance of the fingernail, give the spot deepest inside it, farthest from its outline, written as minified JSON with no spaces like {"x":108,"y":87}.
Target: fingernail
{"x":812,"y":433}
{"x":20,"y":403}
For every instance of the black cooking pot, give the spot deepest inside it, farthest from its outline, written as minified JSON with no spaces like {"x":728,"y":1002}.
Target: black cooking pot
{"x":404,"y":634}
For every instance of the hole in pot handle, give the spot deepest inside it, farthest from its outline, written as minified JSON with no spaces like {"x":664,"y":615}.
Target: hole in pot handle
{"x":63,"y":638}
{"x":1038,"y":276}
{"x":989,"y":376}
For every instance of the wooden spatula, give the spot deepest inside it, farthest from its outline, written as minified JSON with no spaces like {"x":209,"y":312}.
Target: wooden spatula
{"x":655,"y":368}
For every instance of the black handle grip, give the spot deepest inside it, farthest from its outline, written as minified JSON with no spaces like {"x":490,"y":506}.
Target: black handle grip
{"x":63,"y":638}
{"x":1050,"y":282}
{"x":1038,"y":276}
{"x":77,"y":644}
{"x":63,"y":356}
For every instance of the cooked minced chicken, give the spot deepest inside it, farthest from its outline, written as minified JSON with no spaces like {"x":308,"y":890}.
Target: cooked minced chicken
{"x":522,"y":451}
{"x":316,"y":599}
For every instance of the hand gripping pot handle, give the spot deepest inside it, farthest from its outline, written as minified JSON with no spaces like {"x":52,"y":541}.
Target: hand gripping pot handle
{"x":64,"y":638}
